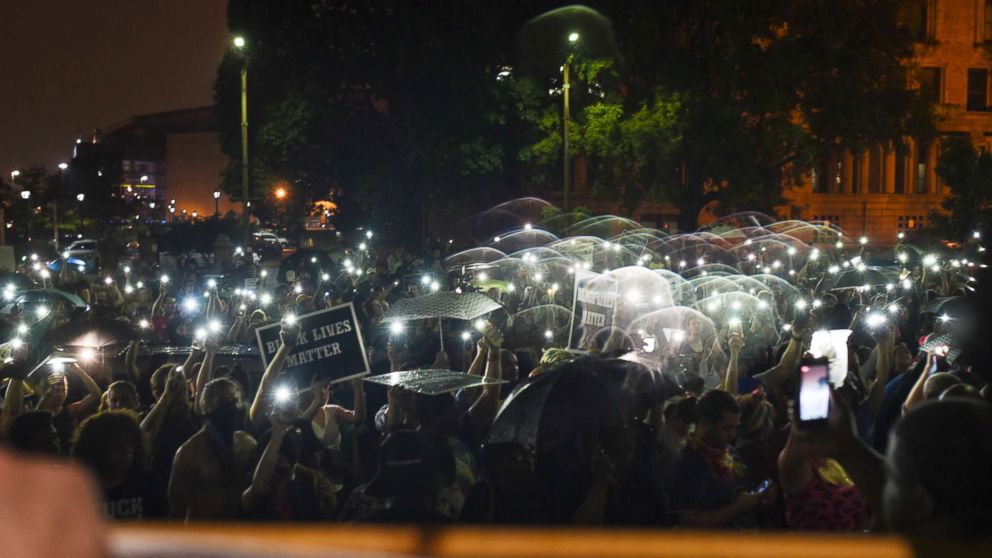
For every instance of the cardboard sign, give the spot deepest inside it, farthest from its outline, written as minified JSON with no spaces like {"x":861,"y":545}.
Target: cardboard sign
{"x":432,"y":382}
{"x":330,"y":345}
{"x":594,"y":303}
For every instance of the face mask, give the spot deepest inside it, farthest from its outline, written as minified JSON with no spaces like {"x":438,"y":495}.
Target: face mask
{"x":226,"y":418}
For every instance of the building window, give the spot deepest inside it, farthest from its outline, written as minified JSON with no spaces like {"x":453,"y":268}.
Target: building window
{"x":922,"y":152}
{"x":987,"y":21}
{"x":826,"y":175}
{"x":978,"y":89}
{"x":900,"y":175}
{"x":875,"y":171}
{"x":910,"y":222}
{"x":918,"y":18}
{"x":930,"y":84}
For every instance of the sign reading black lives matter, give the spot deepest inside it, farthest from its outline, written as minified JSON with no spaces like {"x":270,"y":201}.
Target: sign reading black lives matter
{"x":330,"y":344}
{"x":593,"y":305}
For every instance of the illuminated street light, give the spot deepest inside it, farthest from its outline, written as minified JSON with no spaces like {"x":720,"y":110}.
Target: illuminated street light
{"x":280,"y":193}
{"x":80,"y":197}
{"x":573,"y":38}
{"x":239,"y":41}
{"x":14,"y":174}
{"x":63,"y":166}
{"x":25,"y":194}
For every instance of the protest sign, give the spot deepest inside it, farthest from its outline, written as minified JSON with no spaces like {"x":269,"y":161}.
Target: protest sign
{"x":594,"y":302}
{"x":330,"y":345}
{"x":432,"y":382}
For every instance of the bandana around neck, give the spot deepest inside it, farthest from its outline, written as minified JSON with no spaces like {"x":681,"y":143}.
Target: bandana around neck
{"x":720,"y":460}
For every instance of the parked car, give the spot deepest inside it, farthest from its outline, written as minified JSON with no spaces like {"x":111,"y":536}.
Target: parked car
{"x":86,"y":250}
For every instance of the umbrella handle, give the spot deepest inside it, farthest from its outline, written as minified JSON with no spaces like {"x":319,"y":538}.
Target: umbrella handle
{"x":440,"y":332}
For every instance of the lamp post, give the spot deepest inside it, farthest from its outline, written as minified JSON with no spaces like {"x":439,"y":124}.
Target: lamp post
{"x":216,"y":203}
{"x":239,"y":43}
{"x":573,"y":38}
{"x":79,"y":210}
{"x":55,"y":206}
{"x":26,"y":195}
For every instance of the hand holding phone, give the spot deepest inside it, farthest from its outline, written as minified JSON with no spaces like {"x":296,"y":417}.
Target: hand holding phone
{"x":813,"y":397}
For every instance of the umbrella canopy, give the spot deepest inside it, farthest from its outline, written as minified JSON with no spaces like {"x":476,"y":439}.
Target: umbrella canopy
{"x":583,"y":397}
{"x":465,"y":306}
{"x":314,"y":262}
{"x":96,"y":334}
{"x":50,"y":296}
{"x":854,"y":278}
{"x":946,"y":305}
{"x":432,"y":382}
{"x":545,"y":42}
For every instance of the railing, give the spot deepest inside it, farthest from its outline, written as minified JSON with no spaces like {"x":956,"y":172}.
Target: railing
{"x":254,"y":540}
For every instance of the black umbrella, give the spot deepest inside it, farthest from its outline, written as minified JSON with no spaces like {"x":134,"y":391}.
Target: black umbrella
{"x":583,"y":397}
{"x":545,"y":41}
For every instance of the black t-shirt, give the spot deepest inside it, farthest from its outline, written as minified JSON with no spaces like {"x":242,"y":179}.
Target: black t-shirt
{"x":139,"y":496}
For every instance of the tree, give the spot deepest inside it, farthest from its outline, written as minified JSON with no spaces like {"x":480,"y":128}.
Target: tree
{"x":391,"y":107}
{"x":761,"y":89}
{"x":968,"y":207}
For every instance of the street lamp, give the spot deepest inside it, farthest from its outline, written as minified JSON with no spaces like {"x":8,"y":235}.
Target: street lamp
{"x":573,"y":39}
{"x":63,"y":166}
{"x":79,"y":209}
{"x":216,"y":202}
{"x":25,"y":194}
{"x":14,"y":174}
{"x":240,"y":44}
{"x":280,"y":193}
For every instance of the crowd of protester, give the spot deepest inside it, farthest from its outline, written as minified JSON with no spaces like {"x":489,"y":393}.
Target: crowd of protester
{"x":907,"y":446}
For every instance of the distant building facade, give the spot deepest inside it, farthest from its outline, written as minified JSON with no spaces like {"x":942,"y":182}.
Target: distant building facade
{"x":889,"y":188}
{"x":168,"y":156}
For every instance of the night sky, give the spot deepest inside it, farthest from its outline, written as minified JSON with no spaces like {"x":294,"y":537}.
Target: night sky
{"x":69,"y":66}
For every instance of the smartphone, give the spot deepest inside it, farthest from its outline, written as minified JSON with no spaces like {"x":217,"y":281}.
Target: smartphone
{"x":813,"y":399}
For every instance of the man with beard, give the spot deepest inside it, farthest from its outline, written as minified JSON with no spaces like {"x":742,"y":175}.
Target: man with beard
{"x":214,"y":467}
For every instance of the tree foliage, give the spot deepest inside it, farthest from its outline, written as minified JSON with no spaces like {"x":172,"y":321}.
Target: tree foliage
{"x":968,"y":207}
{"x":404,"y":110}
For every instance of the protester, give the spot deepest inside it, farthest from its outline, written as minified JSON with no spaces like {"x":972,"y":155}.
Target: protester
{"x":695,"y":429}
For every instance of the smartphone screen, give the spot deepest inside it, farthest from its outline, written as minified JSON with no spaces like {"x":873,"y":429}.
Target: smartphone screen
{"x":814,"y":390}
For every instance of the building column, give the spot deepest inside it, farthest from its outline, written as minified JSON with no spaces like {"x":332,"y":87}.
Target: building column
{"x":864,"y":174}
{"x":889,"y":170}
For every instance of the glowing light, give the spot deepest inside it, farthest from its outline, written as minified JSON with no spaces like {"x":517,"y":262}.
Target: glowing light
{"x":466,"y":336}
{"x":751,"y":257}
{"x":362,"y":246}
{"x":875,"y":319}
{"x":976,"y":235}
{"x":22,"y":329}
{"x":214,"y":326}
{"x":787,"y":327}
{"x":944,"y":318}
{"x":190,"y":304}
{"x":143,"y":324}
{"x":17,"y":343}
{"x":548,"y":334}
{"x":325,"y":277}
{"x":496,"y":239}
{"x":527,"y":226}
{"x":297,"y":289}
{"x":264,"y":273}
{"x":289,"y":319}
{"x":483,"y":276}
{"x":734,"y":321}
{"x":265,"y":299}
{"x":283,"y":394}
{"x":817,"y":303}
{"x":633,"y":295}
{"x":425,"y":280}
{"x":539,"y":276}
{"x":929,"y":260}
{"x":127,"y":269}
{"x":863,"y":240}
{"x":893,"y":309}
{"x":907,"y":284}
{"x":801,"y":304}
{"x":87,"y":354}
{"x":713,"y":306}
{"x":840,"y":244}
{"x":396,"y":328}
{"x":42,"y":312}
{"x":128,"y":289}
{"x":814,"y":254}
{"x":834,"y":269}
{"x":700,"y":262}
{"x":480,"y":325}
{"x":165,"y":279}
{"x":435,"y":286}
{"x":791,"y":251}
{"x":762,"y":304}
{"x":368,"y":235}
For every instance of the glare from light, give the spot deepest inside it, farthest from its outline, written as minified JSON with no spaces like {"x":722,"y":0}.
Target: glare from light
{"x":396,"y":328}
